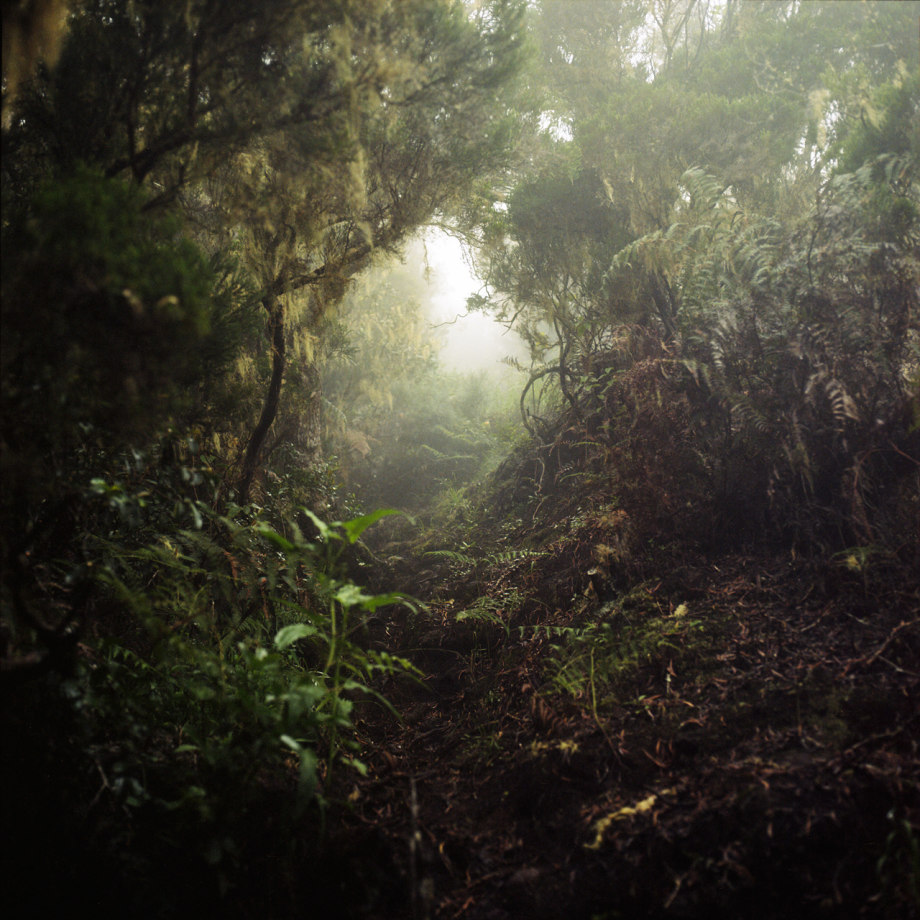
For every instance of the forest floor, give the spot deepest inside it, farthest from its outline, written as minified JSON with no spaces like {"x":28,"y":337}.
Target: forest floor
{"x":734,"y":736}
{"x":600,"y":729}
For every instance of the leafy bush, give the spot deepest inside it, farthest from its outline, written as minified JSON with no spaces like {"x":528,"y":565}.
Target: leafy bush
{"x":101,"y":303}
{"x":218,"y":687}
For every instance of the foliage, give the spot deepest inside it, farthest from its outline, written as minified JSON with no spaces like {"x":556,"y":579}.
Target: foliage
{"x":798,"y":345}
{"x":118,"y":333}
{"x":733,"y":344}
{"x":377,"y":345}
{"x":442,"y":432}
{"x":599,"y":661}
{"x":226,"y":657}
{"x":105,"y":312}
{"x":301,"y":137}
{"x":185,"y":194}
{"x":706,"y":229}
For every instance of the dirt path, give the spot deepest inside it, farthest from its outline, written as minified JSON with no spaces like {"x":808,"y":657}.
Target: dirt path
{"x":763,"y":763}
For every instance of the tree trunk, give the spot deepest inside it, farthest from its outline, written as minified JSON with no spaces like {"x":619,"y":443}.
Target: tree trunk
{"x":272,"y":399}
{"x":310,"y":425}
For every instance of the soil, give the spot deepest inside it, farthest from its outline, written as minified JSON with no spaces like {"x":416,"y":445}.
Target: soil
{"x":594,"y":733}
{"x":731,"y":736}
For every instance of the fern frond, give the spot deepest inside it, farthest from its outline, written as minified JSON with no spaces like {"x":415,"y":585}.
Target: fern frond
{"x":513,"y":555}
{"x":456,"y":558}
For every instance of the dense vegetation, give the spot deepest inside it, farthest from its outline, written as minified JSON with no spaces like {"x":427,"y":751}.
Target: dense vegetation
{"x":648,"y":643}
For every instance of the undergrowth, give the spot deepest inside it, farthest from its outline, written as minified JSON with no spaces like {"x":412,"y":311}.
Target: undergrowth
{"x":218,"y":689}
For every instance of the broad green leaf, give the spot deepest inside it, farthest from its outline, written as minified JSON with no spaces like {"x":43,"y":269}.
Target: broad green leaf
{"x":273,"y":536}
{"x":355,"y":527}
{"x":325,"y":531}
{"x":351,"y":595}
{"x":371,"y":603}
{"x":290,"y":634}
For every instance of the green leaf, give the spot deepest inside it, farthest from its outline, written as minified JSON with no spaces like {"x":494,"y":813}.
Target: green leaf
{"x":325,"y":531}
{"x":292,"y":743}
{"x":273,"y":536}
{"x":383,"y":600}
{"x":351,"y":595}
{"x":290,"y":634}
{"x":355,"y":527}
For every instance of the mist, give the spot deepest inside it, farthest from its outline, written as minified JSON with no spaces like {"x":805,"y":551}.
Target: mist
{"x":470,"y":341}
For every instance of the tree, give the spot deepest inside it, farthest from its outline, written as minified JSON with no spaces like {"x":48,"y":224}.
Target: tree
{"x":650,"y":248}
{"x":182,"y":167}
{"x":311,"y":133}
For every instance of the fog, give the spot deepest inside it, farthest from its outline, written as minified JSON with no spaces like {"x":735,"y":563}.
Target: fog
{"x":471,"y":341}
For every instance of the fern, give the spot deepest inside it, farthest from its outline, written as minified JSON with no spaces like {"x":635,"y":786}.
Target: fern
{"x":513,"y":555}
{"x":502,"y":558}
{"x":483,"y":609}
{"x":452,"y":556}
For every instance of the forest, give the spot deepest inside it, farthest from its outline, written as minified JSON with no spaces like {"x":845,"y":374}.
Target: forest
{"x":300,"y":619}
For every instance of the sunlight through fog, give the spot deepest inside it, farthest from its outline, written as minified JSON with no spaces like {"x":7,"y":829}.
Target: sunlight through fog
{"x":472,"y":342}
